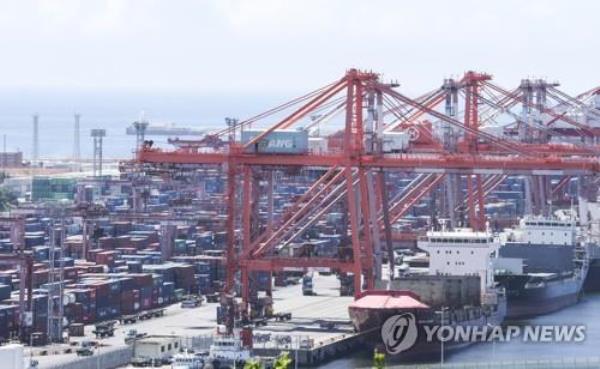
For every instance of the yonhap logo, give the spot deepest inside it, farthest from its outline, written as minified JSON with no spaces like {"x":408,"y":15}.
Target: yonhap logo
{"x":399,"y":333}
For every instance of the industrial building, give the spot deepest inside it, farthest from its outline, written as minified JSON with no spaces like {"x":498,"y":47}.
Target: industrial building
{"x":157,"y":348}
{"x":11,"y":159}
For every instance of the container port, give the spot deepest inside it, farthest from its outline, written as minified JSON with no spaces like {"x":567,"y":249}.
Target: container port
{"x":249,"y":243}
{"x":438,"y":221}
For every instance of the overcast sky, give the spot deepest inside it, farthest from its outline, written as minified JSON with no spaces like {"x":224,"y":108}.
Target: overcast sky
{"x":277,"y":45}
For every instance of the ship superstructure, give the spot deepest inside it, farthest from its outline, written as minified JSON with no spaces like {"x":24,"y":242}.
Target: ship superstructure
{"x":543,"y":263}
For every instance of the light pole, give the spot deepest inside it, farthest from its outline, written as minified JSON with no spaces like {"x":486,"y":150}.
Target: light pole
{"x":441,"y":312}
{"x":493,"y":342}
{"x":30,"y":348}
{"x":296,"y":353}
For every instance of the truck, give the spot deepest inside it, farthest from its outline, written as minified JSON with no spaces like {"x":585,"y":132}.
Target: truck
{"x":105,"y":329}
{"x":346,"y":284}
{"x":85,"y":349}
{"x":307,"y":285}
{"x":192,"y":302}
{"x":129,"y":319}
{"x":133,"y":335}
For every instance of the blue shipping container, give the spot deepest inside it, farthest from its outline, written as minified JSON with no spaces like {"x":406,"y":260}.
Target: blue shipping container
{"x":282,"y":141}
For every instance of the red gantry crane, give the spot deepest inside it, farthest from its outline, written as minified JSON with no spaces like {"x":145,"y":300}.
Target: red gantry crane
{"x":371,"y":130}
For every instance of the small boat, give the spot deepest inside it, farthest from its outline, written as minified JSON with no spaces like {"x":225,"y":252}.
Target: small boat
{"x":187,"y":360}
{"x":228,"y":351}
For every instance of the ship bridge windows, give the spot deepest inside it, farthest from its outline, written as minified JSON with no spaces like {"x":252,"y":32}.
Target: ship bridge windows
{"x":461,"y":240}
{"x":548,"y":224}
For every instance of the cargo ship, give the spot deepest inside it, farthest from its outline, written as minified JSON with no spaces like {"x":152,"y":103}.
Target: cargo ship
{"x":589,"y":213}
{"x":459,"y":291}
{"x":542,"y":264}
{"x":592,"y":281}
{"x":166,"y":130}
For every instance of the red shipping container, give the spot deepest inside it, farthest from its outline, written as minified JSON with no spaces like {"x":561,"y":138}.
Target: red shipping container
{"x":184,"y":276}
{"x":71,"y":273}
{"x":153,"y":237}
{"x":107,"y":243}
{"x":39,"y":278}
{"x":91,"y":255}
{"x":39,"y":266}
{"x":128,"y":302}
{"x":101,"y":288}
{"x":107,"y":257}
{"x":89,"y":317}
{"x":155,"y":246}
{"x":142,"y":280}
{"x":124,"y":241}
{"x":74,"y":312}
{"x":136,"y":300}
{"x":146,"y":303}
{"x":95,"y":269}
{"x":140,"y":242}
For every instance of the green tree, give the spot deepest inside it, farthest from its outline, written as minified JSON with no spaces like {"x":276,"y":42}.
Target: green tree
{"x":7,"y":199}
{"x":253,"y":364}
{"x":378,"y":360}
{"x":283,"y":361}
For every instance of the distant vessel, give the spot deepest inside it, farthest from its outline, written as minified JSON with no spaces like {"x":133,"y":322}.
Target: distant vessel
{"x":459,"y":291}
{"x":543,"y":264}
{"x":167,"y":130}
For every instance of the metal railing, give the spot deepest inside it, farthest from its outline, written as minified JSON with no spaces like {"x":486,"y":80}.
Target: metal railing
{"x":197,"y":343}
{"x":105,"y":358}
{"x":563,"y":363}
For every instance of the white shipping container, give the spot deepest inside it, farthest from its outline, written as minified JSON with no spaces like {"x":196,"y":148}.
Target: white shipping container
{"x":317,"y":145}
{"x":11,"y":357}
{"x":394,"y":142}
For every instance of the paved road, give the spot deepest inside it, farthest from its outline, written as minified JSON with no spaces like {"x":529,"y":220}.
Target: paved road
{"x":326,"y":304}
